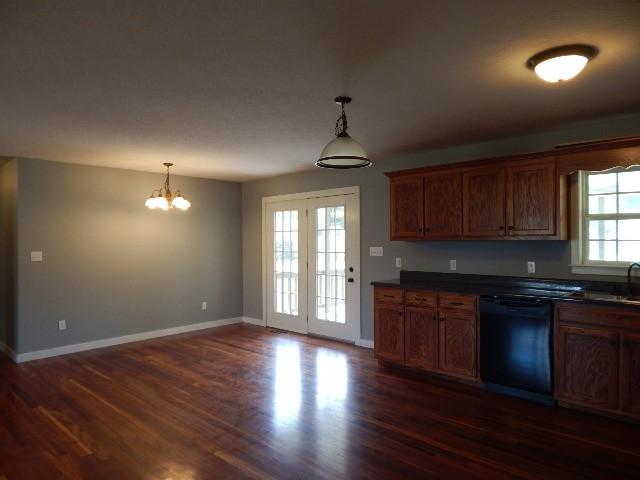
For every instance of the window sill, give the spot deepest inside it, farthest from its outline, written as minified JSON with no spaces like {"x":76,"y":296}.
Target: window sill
{"x":618,"y":270}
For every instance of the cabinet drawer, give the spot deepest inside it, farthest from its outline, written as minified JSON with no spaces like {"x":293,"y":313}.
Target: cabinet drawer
{"x":420,"y":299}
{"x":389,"y":295}
{"x":462,"y":302}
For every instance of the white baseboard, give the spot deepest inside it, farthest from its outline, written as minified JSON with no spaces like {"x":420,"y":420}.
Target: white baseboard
{"x":8,"y":351}
{"x":108,"y":342}
{"x":254,"y":321}
{"x":364,"y":343}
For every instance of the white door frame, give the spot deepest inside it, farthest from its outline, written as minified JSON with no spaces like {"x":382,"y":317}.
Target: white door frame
{"x":355,"y":190}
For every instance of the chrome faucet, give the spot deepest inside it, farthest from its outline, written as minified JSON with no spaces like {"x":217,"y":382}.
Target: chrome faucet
{"x":629,"y":277}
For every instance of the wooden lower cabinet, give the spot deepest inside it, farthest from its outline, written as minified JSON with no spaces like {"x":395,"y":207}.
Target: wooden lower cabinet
{"x":597,"y":358}
{"x":425,"y":337}
{"x":389,"y":332}
{"x":421,"y":337}
{"x":458,"y":342}
{"x":587,"y":366}
{"x":630,"y":374}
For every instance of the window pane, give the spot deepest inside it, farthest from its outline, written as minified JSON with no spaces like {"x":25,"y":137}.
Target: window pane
{"x":629,"y":181}
{"x":320,"y":212}
{"x":629,"y":229}
{"x":602,"y":230}
{"x":629,"y":251}
{"x":604,"y":251}
{"x":602,"y":204}
{"x":602,"y":183}
{"x":629,"y":203}
{"x":278,"y":222}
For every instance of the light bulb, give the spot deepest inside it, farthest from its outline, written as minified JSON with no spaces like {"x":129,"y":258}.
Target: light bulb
{"x":162,"y":203}
{"x":562,"y":68}
{"x":151,"y":202}
{"x":180,"y":202}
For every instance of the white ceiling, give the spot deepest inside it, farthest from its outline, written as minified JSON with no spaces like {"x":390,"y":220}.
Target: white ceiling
{"x":243,"y":89}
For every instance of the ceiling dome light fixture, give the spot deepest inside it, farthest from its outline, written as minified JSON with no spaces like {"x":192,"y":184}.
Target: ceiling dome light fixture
{"x":164,"y":198}
{"x":343,"y":151}
{"x":561,"y":63}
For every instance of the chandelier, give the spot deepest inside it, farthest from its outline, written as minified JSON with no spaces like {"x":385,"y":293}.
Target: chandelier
{"x":164,"y":198}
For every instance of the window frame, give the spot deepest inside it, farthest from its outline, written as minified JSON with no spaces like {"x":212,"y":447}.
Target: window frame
{"x":580,"y":250}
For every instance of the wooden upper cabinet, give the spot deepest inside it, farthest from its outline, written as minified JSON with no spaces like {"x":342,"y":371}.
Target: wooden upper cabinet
{"x":531,"y":199}
{"x":421,"y":338}
{"x":630,"y":374}
{"x":457,"y":346}
{"x":389,"y":332}
{"x":483,"y":201}
{"x":443,"y":205}
{"x":407,"y":208}
{"x":586,"y":366}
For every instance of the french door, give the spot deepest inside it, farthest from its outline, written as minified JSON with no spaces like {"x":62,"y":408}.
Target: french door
{"x":313,"y":261}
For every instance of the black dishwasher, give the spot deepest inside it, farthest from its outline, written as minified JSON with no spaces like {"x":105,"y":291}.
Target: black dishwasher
{"x":515,"y":347}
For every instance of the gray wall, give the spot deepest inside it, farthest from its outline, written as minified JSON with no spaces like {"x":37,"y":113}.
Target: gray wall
{"x":111,"y":266}
{"x":8,"y":245}
{"x":489,"y":257}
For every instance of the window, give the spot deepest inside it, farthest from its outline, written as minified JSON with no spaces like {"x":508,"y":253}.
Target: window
{"x":610,"y":217}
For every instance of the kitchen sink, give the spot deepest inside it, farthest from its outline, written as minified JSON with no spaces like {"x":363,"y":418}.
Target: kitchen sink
{"x":606,"y":297}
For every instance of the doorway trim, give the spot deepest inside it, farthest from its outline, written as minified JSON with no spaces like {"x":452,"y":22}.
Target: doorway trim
{"x":354,"y":190}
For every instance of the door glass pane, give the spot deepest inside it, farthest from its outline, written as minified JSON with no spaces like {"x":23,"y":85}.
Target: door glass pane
{"x":285,"y":262}
{"x":330,"y":264}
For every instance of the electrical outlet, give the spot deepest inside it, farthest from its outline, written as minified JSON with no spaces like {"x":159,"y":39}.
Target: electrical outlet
{"x":531,"y":267}
{"x":452,"y":265}
{"x":62,"y":325}
{"x":36,"y":256}
{"x":204,"y":305}
{"x":398,"y":262}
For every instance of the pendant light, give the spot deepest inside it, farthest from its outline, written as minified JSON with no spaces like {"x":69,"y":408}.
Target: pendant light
{"x":561,"y":63}
{"x":164,"y":198}
{"x":343,"y":152}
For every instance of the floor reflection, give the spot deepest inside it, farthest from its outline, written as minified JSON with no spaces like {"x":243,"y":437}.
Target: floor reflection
{"x":288,"y":383}
{"x":331,"y":378}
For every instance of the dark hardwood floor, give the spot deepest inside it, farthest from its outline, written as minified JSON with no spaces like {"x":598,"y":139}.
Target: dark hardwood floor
{"x":244,"y":402}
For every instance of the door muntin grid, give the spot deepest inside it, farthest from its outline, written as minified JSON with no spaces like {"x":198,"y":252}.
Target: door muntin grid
{"x":286,"y":257}
{"x":330,"y":255}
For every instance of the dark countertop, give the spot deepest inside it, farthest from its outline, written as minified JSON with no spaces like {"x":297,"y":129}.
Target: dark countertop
{"x":515,"y":287}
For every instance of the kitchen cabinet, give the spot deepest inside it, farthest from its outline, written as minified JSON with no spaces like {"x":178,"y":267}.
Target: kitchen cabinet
{"x":389,"y":332}
{"x":458,"y":342}
{"x":597,"y":358}
{"x":630,"y":374}
{"x":438,"y":331}
{"x":443,"y":205}
{"x":407,"y":208}
{"x":531,"y":198}
{"x":483,"y":202}
{"x":421,"y":337}
{"x":587,"y":366}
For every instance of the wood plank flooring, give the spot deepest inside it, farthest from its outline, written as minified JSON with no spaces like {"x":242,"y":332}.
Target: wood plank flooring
{"x":243,"y":402}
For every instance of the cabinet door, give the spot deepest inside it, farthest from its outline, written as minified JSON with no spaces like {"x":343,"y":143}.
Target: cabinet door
{"x":421,"y":337}
{"x":407,"y":208}
{"x":458,"y":342}
{"x":587,"y":366}
{"x":483,"y":199}
{"x":389,"y":332}
{"x":630,"y":374}
{"x":443,"y":205}
{"x":531,"y":199}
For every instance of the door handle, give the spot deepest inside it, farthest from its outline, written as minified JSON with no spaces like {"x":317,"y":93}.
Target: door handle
{"x":350,"y":280}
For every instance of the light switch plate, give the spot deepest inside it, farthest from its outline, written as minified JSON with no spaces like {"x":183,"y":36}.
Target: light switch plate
{"x":398,"y":262}
{"x":376,"y":251}
{"x":531,"y":267}
{"x":36,"y":256}
{"x":453,"y":264}
{"x":62,"y":325}
{"x":204,"y":305}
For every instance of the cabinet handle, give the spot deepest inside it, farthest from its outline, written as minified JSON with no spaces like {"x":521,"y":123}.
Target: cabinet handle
{"x":613,"y":342}
{"x":510,"y":227}
{"x":501,"y":227}
{"x":420,"y":229}
{"x":389,"y":296}
{"x":456,"y":303}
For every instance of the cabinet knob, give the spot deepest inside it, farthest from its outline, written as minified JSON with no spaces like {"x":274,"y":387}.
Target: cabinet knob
{"x":510,"y":227}
{"x":501,"y":227}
